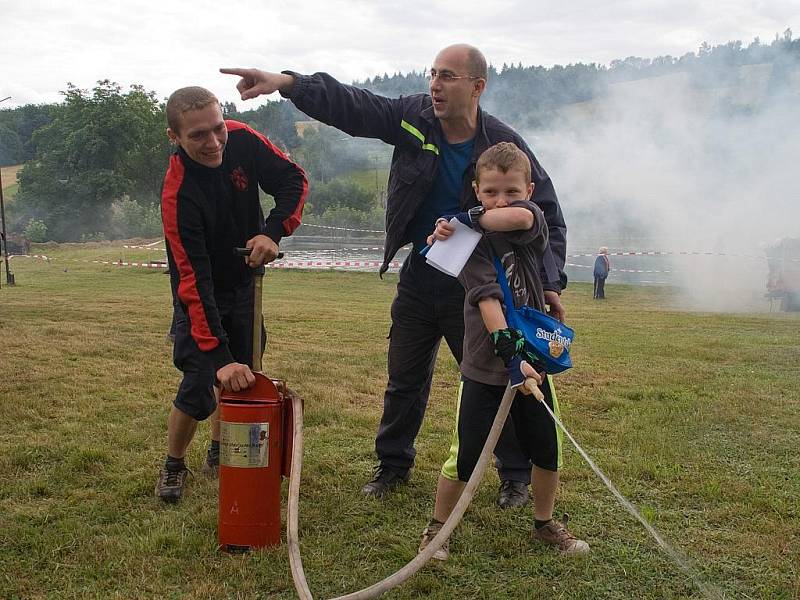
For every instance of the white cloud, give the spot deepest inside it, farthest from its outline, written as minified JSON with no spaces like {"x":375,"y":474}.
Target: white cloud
{"x":163,"y":45}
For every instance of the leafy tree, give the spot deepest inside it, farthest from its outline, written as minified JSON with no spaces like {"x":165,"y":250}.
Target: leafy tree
{"x":344,"y":216}
{"x":10,"y":146}
{"x":275,"y":119}
{"x":132,"y":219}
{"x":98,"y":149}
{"x":28,"y":119}
{"x":229,"y":110}
{"x":35,"y":231}
{"x":325,"y":152}
{"x":339,"y":193}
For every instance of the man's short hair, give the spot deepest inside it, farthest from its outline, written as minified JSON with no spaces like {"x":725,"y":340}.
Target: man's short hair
{"x":503,"y":157}
{"x":185,"y":99}
{"x":476,"y":63}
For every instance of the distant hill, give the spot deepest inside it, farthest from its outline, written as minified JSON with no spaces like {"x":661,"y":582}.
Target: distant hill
{"x":749,"y":88}
{"x":729,"y":76}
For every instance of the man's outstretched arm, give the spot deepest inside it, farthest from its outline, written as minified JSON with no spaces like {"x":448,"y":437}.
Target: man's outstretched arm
{"x":355,"y":111}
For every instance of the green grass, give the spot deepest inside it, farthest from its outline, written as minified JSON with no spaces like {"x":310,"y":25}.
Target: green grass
{"x":694,"y":416}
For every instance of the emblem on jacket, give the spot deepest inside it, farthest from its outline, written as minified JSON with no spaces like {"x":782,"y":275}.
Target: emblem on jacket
{"x":239,"y":179}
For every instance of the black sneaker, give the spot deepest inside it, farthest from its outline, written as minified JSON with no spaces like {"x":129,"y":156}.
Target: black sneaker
{"x":169,"y":486}
{"x":513,"y":494}
{"x":384,"y":480}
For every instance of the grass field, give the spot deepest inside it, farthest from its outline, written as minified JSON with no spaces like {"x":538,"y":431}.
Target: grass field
{"x":9,"y":177}
{"x":694,"y":416}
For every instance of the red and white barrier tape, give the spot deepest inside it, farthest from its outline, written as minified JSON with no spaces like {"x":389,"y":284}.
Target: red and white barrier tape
{"x":148,"y":246}
{"x":151,"y":246}
{"x":40,"y":256}
{"x":329,"y":264}
{"x":284,"y":264}
{"x":616,"y":270}
{"x":341,"y":228}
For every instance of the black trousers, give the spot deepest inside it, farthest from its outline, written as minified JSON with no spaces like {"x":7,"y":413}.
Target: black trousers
{"x":535,"y":429}
{"x":429,"y":306}
{"x":599,"y":287}
{"x":195,"y":395}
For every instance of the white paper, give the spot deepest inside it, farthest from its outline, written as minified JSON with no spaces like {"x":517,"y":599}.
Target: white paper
{"x":450,"y":255}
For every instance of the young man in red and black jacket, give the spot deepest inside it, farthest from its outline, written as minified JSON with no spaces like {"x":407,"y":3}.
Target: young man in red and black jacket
{"x":209,"y":206}
{"x":437,"y":138}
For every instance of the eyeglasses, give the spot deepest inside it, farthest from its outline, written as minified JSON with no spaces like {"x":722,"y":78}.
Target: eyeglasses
{"x":448,"y":77}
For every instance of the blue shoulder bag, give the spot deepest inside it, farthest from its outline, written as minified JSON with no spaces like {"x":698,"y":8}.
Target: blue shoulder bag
{"x":548,"y":339}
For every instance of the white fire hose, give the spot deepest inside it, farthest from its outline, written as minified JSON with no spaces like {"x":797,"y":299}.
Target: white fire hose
{"x":420,"y":559}
{"x":373,"y":591}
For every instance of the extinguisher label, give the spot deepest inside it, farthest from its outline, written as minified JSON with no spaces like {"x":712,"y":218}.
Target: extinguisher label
{"x":244,"y":445}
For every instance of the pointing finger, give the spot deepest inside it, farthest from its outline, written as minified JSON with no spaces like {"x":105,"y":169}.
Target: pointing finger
{"x":234,"y":71}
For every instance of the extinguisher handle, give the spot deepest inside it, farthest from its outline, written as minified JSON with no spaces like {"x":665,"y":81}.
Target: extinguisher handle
{"x":257,"y":311}
{"x":247,"y":251}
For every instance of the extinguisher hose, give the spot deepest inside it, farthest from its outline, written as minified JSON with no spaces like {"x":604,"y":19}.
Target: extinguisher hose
{"x":420,"y":559}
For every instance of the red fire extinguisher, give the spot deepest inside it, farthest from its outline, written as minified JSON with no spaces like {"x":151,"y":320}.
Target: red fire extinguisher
{"x":254,"y":426}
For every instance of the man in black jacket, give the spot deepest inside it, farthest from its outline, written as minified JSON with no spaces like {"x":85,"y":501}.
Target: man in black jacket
{"x":437,"y":138}
{"x":209,"y":206}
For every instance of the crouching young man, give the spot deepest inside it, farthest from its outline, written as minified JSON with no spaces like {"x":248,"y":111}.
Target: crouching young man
{"x":210,"y":206}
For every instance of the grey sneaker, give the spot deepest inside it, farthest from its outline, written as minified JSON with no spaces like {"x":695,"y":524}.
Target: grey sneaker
{"x":555,"y":533}
{"x":384,"y":480}
{"x":169,"y":486}
{"x":513,"y":494}
{"x":428,"y":534}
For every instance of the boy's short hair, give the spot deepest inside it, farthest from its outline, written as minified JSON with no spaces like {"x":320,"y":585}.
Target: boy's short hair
{"x":503,"y":157}
{"x":185,"y":99}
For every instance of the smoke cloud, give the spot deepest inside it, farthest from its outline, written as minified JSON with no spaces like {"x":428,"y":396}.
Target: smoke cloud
{"x":681,"y":163}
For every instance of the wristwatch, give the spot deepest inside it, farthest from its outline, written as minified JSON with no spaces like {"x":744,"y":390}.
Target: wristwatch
{"x":475,"y":213}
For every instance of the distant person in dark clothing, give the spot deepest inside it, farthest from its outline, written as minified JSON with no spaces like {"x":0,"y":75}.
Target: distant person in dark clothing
{"x":602,"y":266}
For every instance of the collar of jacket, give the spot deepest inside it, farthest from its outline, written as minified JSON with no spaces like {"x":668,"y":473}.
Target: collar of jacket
{"x":481,"y":143}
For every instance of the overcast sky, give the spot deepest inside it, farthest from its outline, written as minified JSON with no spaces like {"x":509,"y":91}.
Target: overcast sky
{"x":166,"y":45}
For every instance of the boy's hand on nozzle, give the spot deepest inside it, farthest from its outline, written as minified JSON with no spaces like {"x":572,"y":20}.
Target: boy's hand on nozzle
{"x":523,"y":376}
{"x":509,"y":346}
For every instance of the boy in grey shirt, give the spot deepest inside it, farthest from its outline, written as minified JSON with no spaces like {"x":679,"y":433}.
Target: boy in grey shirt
{"x":514,"y":230}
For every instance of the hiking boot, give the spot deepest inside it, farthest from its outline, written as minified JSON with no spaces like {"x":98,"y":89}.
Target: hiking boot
{"x":210,"y":467}
{"x":169,"y":486}
{"x":513,"y":494}
{"x":384,"y":480}
{"x":428,"y":534}
{"x":555,"y":533}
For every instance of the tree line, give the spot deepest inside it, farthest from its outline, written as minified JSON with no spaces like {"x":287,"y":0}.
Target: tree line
{"x":94,"y":163}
